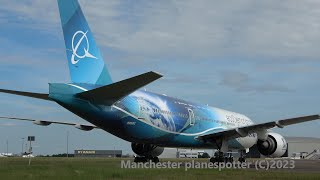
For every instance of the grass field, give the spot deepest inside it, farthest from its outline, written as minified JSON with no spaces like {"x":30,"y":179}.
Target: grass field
{"x":98,"y":168}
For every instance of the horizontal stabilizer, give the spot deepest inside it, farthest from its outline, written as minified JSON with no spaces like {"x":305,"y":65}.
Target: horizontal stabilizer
{"x":28,"y":94}
{"x":114,"y":92}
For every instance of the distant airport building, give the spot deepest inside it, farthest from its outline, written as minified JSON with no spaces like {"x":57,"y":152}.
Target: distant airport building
{"x":298,"y":148}
{"x":303,"y":146}
{"x":98,"y":153}
{"x":6,"y":154}
{"x":169,"y":153}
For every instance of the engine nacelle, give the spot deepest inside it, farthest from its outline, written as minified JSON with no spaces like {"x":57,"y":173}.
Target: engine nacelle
{"x":42,"y":123}
{"x":83,"y":127}
{"x":274,"y":146}
{"x":147,"y":150}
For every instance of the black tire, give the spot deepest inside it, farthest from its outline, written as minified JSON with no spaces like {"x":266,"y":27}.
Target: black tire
{"x":140,"y":159}
{"x":155,"y":159}
{"x":242,"y":160}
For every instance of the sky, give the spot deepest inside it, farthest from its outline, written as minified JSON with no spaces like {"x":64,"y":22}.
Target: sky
{"x":258,"y":58}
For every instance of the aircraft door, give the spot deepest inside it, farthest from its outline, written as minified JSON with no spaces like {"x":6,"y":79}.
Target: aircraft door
{"x":140,"y":111}
{"x":191,"y":117}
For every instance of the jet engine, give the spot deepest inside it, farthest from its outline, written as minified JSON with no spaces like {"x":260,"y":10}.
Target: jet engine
{"x":146,"y":150}
{"x":274,"y":146}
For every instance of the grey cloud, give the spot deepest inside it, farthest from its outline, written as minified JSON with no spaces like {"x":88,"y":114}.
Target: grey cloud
{"x":208,"y":28}
{"x":8,"y":124}
{"x":181,"y":79}
{"x":243,"y":83}
{"x":297,"y":68}
{"x":197,"y":29}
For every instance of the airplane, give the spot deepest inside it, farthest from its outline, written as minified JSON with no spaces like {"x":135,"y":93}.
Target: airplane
{"x":148,"y":120}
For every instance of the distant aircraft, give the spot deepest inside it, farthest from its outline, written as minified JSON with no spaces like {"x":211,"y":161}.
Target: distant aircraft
{"x":148,"y":120}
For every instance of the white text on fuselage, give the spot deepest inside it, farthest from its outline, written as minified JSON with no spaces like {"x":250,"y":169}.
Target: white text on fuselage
{"x":131,"y":123}
{"x":237,"y":120}
{"x":230,"y":120}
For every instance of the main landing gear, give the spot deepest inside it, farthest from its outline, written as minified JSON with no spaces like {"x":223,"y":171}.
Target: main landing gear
{"x":220,"y":158}
{"x":242,"y":157}
{"x":219,"y":155}
{"x":146,"y":152}
{"x":146,"y":159}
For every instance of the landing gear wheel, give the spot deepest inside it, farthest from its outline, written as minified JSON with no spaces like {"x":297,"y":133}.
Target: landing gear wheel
{"x":140,"y":159}
{"x":218,"y":157}
{"x":146,"y":159}
{"x":242,"y":159}
{"x":212,"y":160}
{"x":228,"y":159}
{"x":155,"y":159}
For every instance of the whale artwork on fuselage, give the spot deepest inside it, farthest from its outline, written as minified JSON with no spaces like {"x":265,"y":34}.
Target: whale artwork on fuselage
{"x":148,"y":120}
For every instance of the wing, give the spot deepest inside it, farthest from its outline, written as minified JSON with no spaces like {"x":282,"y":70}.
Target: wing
{"x":46,"y":123}
{"x":246,"y":130}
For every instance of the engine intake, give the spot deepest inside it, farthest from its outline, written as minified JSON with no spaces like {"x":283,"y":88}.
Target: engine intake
{"x":146,"y":150}
{"x":274,"y":146}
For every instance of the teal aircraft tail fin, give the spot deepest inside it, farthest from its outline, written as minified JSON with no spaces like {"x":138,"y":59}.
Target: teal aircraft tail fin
{"x":86,"y":64}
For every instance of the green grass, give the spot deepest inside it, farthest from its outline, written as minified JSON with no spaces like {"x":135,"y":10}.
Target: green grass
{"x":98,"y":168}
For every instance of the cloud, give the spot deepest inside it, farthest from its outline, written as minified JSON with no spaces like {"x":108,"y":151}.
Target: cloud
{"x":8,"y":124}
{"x":220,"y":51}
{"x":242,"y":82}
{"x":196,"y":29}
{"x":179,"y":79}
{"x":300,"y":67}
{"x":206,"y":29}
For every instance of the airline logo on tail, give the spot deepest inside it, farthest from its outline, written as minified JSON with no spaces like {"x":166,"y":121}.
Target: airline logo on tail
{"x":81,"y":36}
